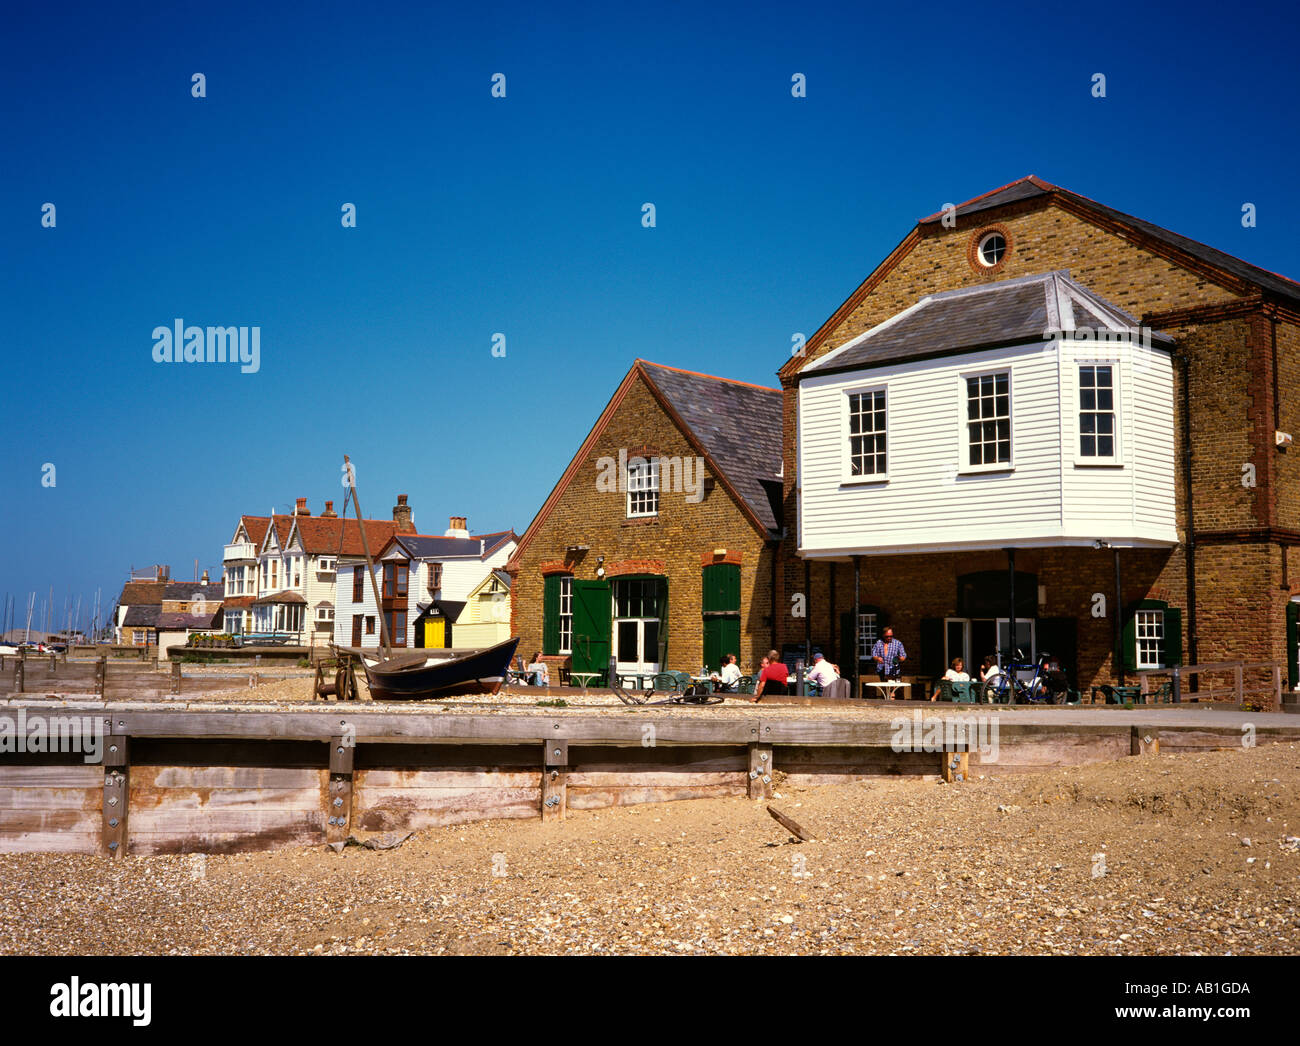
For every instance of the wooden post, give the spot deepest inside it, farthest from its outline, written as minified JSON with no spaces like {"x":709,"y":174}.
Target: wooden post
{"x":338,"y":800}
{"x":760,"y":771}
{"x":1143,"y":742}
{"x":176,"y":678}
{"x":117,"y":790}
{"x":954,"y":766}
{"x":1237,"y":675}
{"x":555,"y":779}
{"x":101,"y":675}
{"x":20,"y":674}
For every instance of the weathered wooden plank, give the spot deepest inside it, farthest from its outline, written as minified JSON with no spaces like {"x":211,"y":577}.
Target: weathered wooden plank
{"x":222,"y":809}
{"x":411,"y":799}
{"x":593,"y":798}
{"x":50,"y":808}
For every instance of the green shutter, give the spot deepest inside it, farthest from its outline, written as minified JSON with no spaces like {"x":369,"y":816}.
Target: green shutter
{"x":1173,"y":637}
{"x":663,"y":624}
{"x":722,"y":588}
{"x":551,"y":614}
{"x":1293,"y":643}
{"x":1128,"y":641}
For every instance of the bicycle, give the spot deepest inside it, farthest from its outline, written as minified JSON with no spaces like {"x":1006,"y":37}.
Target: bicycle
{"x":1008,"y":688}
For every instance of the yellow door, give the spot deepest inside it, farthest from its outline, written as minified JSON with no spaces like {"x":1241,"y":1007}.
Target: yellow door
{"x":435,"y":631}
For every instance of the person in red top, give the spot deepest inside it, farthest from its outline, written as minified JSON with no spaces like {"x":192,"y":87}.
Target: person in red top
{"x":772,"y":679}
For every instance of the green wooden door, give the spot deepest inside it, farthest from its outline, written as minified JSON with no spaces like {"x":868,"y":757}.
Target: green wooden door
{"x":721,"y":637}
{"x":592,"y":619}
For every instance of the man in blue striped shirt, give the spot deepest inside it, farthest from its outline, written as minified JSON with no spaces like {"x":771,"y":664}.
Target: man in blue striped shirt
{"x":889,"y":655}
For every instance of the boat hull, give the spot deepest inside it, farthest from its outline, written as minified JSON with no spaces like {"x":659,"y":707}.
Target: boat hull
{"x":416,"y":676}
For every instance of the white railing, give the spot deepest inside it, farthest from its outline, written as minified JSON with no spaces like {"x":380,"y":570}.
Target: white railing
{"x":239,"y":550}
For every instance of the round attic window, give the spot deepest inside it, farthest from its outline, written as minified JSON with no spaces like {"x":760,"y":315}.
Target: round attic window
{"x":991,"y":249}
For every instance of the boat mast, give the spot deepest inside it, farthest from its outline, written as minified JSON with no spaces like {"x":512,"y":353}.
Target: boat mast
{"x":365,"y":547}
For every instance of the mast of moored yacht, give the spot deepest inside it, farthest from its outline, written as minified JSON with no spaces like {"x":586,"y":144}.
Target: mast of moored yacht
{"x":350,"y":472}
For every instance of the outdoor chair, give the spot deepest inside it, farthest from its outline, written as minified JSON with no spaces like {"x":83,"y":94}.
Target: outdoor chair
{"x":962,"y":693}
{"x":838,"y":689}
{"x":667,"y":681}
{"x":745,"y":685}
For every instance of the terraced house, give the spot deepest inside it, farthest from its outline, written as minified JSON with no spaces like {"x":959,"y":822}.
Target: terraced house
{"x":1042,"y":419}
{"x":658,"y":543}
{"x":281,"y":572}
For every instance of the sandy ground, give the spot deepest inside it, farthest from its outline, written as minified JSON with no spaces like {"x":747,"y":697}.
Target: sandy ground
{"x":1173,"y":854}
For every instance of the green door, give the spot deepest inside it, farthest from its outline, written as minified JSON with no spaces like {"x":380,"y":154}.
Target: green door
{"x":721,"y":637}
{"x":592,"y":617}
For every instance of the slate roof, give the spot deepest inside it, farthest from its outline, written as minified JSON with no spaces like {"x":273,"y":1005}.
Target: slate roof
{"x":502,"y":576}
{"x":738,"y":424}
{"x":177,"y":620}
{"x":984,"y":316}
{"x":436,"y":546}
{"x":187,"y":591}
{"x":1032,"y":186}
{"x":142,"y":615}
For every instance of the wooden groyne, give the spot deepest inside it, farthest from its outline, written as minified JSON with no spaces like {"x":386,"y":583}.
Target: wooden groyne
{"x":230,"y":779}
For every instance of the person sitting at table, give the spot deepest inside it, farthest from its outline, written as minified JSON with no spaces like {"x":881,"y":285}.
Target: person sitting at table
{"x":539,"y":674}
{"x":726,"y":680}
{"x":822,"y":672}
{"x":889,"y":655}
{"x":772,"y":679}
{"x":955,"y":674}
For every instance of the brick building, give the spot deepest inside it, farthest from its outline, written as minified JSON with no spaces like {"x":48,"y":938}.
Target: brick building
{"x":919,"y":418}
{"x":658,"y":543}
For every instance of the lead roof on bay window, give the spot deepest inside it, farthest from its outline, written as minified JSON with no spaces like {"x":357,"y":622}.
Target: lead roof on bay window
{"x":1025,"y":309}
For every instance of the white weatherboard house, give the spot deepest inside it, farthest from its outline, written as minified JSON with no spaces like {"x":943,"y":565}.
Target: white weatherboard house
{"x":1027,"y":414}
{"x":424,"y":582}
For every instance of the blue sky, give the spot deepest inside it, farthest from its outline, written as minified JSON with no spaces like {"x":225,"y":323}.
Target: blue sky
{"x":520,"y":216}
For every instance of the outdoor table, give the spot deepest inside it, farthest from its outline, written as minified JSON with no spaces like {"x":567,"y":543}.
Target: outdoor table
{"x":892,"y":685}
{"x":704,"y":681}
{"x":584,"y":678}
{"x":638,"y":679}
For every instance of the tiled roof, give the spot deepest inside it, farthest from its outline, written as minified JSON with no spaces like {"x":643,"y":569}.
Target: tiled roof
{"x":255,"y":527}
{"x":320,"y":535}
{"x":283,"y":596}
{"x":135,"y":593}
{"x":1031,"y":187}
{"x":738,"y":424}
{"x":987,"y":315}
{"x":502,"y":576}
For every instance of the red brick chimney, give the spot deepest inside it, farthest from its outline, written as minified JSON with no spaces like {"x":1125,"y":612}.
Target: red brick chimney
{"x":402,"y":516}
{"x":301,"y":508}
{"x":329,"y":512}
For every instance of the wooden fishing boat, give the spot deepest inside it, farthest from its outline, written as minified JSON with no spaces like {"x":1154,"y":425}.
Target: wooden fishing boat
{"x":419,"y":674}
{"x":435,"y":673}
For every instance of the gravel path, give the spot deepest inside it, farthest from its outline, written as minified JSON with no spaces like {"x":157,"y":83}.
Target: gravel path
{"x":1174,"y":854}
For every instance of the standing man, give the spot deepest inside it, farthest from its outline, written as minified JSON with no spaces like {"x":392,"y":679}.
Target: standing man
{"x":889,"y":656}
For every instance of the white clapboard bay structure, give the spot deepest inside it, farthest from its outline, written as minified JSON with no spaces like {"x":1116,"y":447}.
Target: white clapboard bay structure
{"x":1025,"y":413}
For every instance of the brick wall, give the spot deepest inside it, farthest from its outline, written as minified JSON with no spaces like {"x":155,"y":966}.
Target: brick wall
{"x":676,"y":541}
{"x":1241,"y":600}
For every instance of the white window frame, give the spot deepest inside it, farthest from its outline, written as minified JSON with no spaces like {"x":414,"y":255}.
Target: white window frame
{"x":964,"y":467}
{"x":641,"y":490}
{"x":1154,"y":618}
{"x":868,"y":633}
{"x":846,"y":436}
{"x":325,"y":614}
{"x":1097,"y":461}
{"x":979,"y":249}
{"x":326,"y":565}
{"x":566,"y":617}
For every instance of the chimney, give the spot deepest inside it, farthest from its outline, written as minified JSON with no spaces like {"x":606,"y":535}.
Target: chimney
{"x":402,"y":516}
{"x":205,"y":578}
{"x":301,"y":508}
{"x":329,"y":512}
{"x":457,"y":528}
